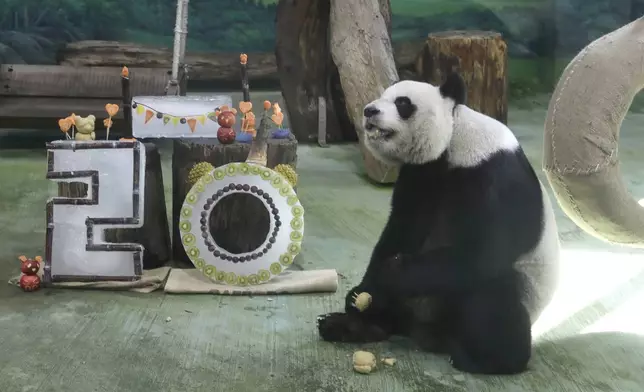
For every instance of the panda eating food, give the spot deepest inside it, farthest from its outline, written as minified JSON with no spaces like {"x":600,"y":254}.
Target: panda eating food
{"x":469,"y":256}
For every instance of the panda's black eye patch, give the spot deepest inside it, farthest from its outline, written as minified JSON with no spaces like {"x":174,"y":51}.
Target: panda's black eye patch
{"x":405,"y":108}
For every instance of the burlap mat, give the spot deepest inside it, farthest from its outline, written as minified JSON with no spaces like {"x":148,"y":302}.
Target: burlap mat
{"x":150,"y":281}
{"x":191,"y":281}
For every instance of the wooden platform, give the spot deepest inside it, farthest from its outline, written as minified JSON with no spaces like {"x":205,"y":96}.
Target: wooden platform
{"x":33,"y":92}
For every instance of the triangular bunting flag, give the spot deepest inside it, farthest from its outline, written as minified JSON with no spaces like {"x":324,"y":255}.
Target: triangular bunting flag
{"x":212,"y":116}
{"x":139,"y":109}
{"x":201,"y":119}
{"x":148,"y":115}
{"x":192,"y":123}
{"x":166,"y":120}
{"x":175,"y":121}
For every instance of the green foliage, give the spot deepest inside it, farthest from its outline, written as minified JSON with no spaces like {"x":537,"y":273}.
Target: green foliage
{"x":32,"y":30}
{"x":62,"y":19}
{"x":420,"y":8}
{"x":213,"y":25}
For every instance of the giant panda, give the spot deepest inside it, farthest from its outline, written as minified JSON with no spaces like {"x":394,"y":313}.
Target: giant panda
{"x":469,"y":255}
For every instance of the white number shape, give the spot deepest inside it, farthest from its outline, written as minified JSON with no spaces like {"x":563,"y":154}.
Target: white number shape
{"x":75,"y":249}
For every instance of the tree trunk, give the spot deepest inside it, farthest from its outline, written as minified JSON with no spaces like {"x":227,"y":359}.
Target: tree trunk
{"x":361,"y":49}
{"x":307,"y":72}
{"x":230,"y":212}
{"x":304,"y":67}
{"x":154,"y":235}
{"x":480,"y":57}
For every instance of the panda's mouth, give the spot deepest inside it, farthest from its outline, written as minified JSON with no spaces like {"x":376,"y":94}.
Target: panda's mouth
{"x":378,"y":133}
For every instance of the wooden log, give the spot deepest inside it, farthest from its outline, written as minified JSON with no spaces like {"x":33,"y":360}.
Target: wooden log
{"x":74,"y":82}
{"x":211,"y":67}
{"x":362,"y":51}
{"x":53,"y":108}
{"x":480,"y":57}
{"x":154,"y":235}
{"x":233,"y":230}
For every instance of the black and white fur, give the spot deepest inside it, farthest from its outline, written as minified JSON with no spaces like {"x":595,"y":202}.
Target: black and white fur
{"x":469,"y":256}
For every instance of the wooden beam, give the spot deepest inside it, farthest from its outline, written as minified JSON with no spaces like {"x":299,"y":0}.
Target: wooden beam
{"x":19,"y":80}
{"x":49,"y":126}
{"x":54,"y":108}
{"x":218,"y":67}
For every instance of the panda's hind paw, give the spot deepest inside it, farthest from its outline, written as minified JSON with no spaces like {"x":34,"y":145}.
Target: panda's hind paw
{"x":348,"y":328}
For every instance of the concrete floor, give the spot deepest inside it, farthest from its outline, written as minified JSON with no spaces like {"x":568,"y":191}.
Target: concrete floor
{"x":589,"y":339}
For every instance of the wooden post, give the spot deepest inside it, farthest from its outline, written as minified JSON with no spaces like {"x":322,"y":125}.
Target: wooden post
{"x":126,"y":94}
{"x":243,"y":58}
{"x":480,"y":57}
{"x":230,"y":212}
{"x":183,"y":80}
{"x":155,"y":233}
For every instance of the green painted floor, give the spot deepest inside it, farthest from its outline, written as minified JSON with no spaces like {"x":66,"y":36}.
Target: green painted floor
{"x":589,"y":339}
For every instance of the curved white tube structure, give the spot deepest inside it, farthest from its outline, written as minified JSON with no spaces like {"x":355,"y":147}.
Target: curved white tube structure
{"x":582,"y":133}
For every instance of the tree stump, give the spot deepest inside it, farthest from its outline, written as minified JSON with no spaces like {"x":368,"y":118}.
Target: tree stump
{"x":154,"y":235}
{"x":480,"y":57}
{"x":239,"y":222}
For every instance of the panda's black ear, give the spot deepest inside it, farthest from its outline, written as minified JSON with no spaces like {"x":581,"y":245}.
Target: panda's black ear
{"x":454,"y":88}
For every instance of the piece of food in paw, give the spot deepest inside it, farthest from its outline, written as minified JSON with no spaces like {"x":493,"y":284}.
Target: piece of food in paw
{"x":361,"y":301}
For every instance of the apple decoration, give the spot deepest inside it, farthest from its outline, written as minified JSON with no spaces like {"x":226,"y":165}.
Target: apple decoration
{"x":30,"y":267}
{"x":225,"y":135}
{"x":30,"y":281}
{"x":226,"y":119}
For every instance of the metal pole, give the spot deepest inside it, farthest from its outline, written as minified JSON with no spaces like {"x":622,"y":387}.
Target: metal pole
{"x":176,"y":53}
{"x":184,"y":32}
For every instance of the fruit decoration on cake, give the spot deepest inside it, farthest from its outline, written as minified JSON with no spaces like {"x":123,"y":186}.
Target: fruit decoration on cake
{"x":226,"y":119}
{"x":29,"y":280}
{"x":288,"y":172}
{"x":278,"y":119}
{"x":247,"y":131}
{"x":199,"y":170}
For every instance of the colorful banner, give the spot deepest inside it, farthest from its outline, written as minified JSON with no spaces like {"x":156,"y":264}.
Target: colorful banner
{"x":149,"y":113}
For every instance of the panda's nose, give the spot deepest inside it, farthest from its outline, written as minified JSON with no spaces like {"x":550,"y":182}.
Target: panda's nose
{"x":371,"y":111}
